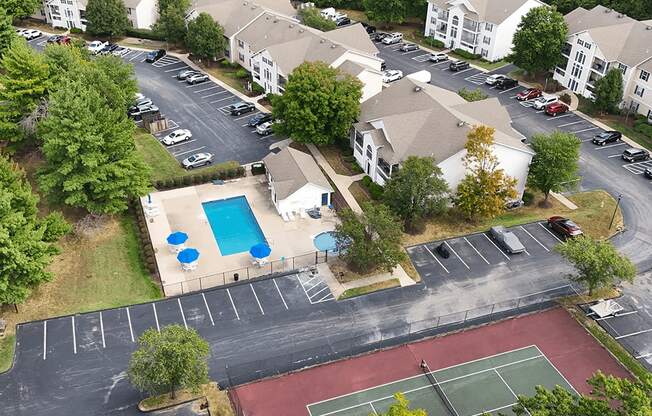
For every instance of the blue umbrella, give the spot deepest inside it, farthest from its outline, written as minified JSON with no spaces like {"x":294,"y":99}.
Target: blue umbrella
{"x":260,"y":251}
{"x":177,"y":238}
{"x":188,"y":255}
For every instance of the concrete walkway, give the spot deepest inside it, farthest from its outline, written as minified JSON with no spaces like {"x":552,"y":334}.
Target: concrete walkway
{"x":563,"y":200}
{"x":338,"y":288}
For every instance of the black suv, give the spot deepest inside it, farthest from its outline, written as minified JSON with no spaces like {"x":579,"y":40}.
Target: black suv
{"x":648,"y":173}
{"x":459,"y":66}
{"x":378,"y":36}
{"x":343,"y":21}
{"x":154,"y":56}
{"x":506,"y":83}
{"x":369,"y":28}
{"x":259,"y":118}
{"x":635,"y":155}
{"x":606,"y":137}
{"x":240,"y":108}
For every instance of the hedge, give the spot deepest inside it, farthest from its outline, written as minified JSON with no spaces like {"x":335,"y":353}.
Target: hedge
{"x":641,"y":125}
{"x":144,"y":34}
{"x":436,"y":43}
{"x":466,"y":55}
{"x":472,"y":95}
{"x":198,"y":178}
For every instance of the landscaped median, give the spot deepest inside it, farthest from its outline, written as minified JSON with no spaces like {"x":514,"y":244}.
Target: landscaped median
{"x":363,"y":290}
{"x":209,"y":395}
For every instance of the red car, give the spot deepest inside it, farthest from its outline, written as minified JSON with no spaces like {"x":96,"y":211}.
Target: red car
{"x":529,"y":94}
{"x":564,"y":226}
{"x":556,"y":108}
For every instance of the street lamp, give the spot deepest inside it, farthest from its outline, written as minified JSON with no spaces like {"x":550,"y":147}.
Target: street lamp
{"x":620,"y":196}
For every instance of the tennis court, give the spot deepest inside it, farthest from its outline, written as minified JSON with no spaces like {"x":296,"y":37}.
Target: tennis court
{"x":489,"y":384}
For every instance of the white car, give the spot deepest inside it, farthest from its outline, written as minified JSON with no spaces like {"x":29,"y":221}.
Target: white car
{"x":177,"y":136}
{"x":96,"y":46}
{"x":31,"y":34}
{"x":542,"y":102}
{"x":392,"y":38}
{"x":392,"y":75}
{"x":120,"y":51}
{"x":492,"y":79}
{"x":197,"y":160}
{"x":265,"y":128}
{"x":438,"y":57}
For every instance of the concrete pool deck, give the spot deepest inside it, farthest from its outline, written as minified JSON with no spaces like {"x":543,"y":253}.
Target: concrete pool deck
{"x":181,"y":210}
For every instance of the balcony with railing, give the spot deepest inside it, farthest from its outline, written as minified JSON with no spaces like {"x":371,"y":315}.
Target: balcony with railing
{"x":281,"y":81}
{"x":600,"y":66}
{"x":471,"y":25}
{"x":566,"y":49}
{"x":441,"y":28}
{"x":442,"y":15}
{"x":469,"y":38}
{"x":385,"y":169}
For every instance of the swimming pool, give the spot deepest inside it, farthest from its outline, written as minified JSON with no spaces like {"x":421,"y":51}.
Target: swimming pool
{"x":234,"y":225}
{"x":325,"y":241}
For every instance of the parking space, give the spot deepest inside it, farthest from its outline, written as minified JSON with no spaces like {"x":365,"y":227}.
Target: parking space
{"x":315,"y":288}
{"x":90,"y":331}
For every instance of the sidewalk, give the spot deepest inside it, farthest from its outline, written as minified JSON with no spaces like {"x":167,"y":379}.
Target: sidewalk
{"x":338,"y":288}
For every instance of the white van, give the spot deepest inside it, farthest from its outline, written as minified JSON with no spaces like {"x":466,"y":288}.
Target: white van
{"x":328,"y":13}
{"x":392,"y":38}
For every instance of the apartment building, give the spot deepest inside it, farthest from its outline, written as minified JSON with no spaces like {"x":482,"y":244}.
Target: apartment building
{"x":482,"y":27}
{"x":70,"y":14}
{"x":601,"y":39}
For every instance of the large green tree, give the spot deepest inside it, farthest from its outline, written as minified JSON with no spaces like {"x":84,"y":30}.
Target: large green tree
{"x":205,"y":37}
{"x":91,"y":157}
{"x":311,"y":16}
{"x":418,"y":190}
{"x":113,"y":80}
{"x":7,"y":33}
{"x":608,"y":92}
{"x":21,"y":8}
{"x":401,"y":407}
{"x":597,"y":263}
{"x":26,"y":241}
{"x":385,"y":11}
{"x":171,"y":20}
{"x":637,"y":9}
{"x":106,"y":17}
{"x":539,"y":39}
{"x":169,"y":360}
{"x":555,"y":162}
{"x":371,"y":240}
{"x":486,"y":188}
{"x":319,"y":104}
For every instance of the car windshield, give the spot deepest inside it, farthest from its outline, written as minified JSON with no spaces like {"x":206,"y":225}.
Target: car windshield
{"x":603,"y":135}
{"x":570,"y":224}
{"x":192,"y":158}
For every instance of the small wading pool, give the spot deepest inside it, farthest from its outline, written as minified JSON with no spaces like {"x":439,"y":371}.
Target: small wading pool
{"x":325,"y":241}
{"x":233,"y":224}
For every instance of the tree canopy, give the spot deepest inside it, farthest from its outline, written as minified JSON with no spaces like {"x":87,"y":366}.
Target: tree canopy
{"x":597,"y":263}
{"x":637,"y":9}
{"x":318,"y":105}
{"x":608,"y":92}
{"x":106,"y":17}
{"x":171,"y":22}
{"x":21,"y":8}
{"x":555,"y":162}
{"x":7,"y":32}
{"x":539,"y":39}
{"x":418,"y":190}
{"x":312,"y":17}
{"x":205,"y":37}
{"x":386,"y":11}
{"x":401,"y":407}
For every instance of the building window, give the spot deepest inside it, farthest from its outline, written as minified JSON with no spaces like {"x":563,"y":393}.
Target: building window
{"x":580,"y":57}
{"x":370,"y":152}
{"x":268,"y":62}
{"x":580,"y":42}
{"x":587,"y":45}
{"x":644,"y":75}
{"x":267,"y":74}
{"x":488,"y":27}
{"x":433,"y":20}
{"x":577,"y":70}
{"x":649,"y":114}
{"x":484,"y":53}
{"x":129,"y":9}
{"x":622,"y":67}
{"x":639,"y":91}
{"x":241,"y":57}
{"x":634,"y":106}
{"x":240,"y":43}
{"x":456,"y":20}
{"x":486,"y":40}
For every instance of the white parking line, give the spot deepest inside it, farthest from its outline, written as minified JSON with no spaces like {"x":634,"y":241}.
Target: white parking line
{"x":325,"y":298}
{"x":616,"y":155}
{"x":131,"y":331}
{"x":158,"y":328}
{"x":435,"y":257}
{"x":645,"y":331}
{"x":176,"y":69}
{"x":74,"y":336}
{"x":538,"y":242}
{"x":183,"y":315}
{"x":279,"y":293}
{"x":610,"y":146}
{"x":316,"y":293}
{"x":304,"y":288}
{"x":257,"y":301}
{"x":198,"y":84}
{"x":45,"y":338}
{"x":315,"y":285}
{"x":213,"y":94}
{"x":462,"y":71}
{"x":549,"y":232}
{"x":503,"y":92}
{"x":456,"y":255}
{"x":221,"y":99}
{"x":247,"y":116}
{"x":582,"y":131}
{"x":102,"y":330}
{"x":135,"y":56}
{"x":497,"y":248}
{"x":188,"y":151}
{"x":562,"y":116}
{"x":232,"y":304}
{"x":210,"y":315}
{"x":476,"y":250}
{"x":567,"y":124}
{"x":206,"y":89}
{"x":615,"y":315}
{"x":179,"y":144}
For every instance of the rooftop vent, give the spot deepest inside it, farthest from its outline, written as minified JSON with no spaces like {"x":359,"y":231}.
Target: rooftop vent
{"x":333,"y":46}
{"x":620,"y":16}
{"x":275,"y":20}
{"x":266,"y":17}
{"x":460,"y":123}
{"x":291,"y":25}
{"x":607,"y":10}
{"x":302,"y":30}
{"x":417,"y":88}
{"x":322,"y":40}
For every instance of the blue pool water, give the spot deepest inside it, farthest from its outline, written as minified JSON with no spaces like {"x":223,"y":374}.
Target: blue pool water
{"x":325,"y":241}
{"x":234,"y":225}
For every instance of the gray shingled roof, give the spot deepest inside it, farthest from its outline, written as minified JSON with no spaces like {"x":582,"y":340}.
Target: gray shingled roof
{"x":353,"y":36}
{"x":493,"y":11}
{"x":291,"y":170}
{"x":291,"y":54}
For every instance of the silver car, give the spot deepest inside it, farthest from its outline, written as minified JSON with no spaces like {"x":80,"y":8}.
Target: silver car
{"x":186,"y":73}
{"x":197,"y":160}
{"x":196,"y":78}
{"x":507,"y":239}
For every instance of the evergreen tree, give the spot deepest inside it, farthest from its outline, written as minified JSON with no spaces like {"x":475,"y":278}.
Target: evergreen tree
{"x":205,"y":37}
{"x":608,"y":92}
{"x":7,"y":33}
{"x":106,"y":17}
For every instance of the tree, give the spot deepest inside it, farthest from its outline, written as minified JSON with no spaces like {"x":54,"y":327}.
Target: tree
{"x":369,"y":240}
{"x":485,"y":189}
{"x":106,"y":17}
{"x":418,"y":190}
{"x":597,"y":262}
{"x":205,"y":37}
{"x":114,"y":80}
{"x":7,"y":33}
{"x":539,"y":39}
{"x":22,"y":85}
{"x":555,"y":162}
{"x":21,"y":8}
{"x":608,"y":92}
{"x":312,"y":17}
{"x":385,"y":11}
{"x":172,"y":20}
{"x":639,"y":10}
{"x":26,"y":241}
{"x":402,"y":408}
{"x":91,"y":157}
{"x":319,"y":104}
{"x":169,"y":360}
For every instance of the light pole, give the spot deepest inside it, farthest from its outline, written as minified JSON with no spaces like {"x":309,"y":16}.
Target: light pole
{"x":620,"y":196}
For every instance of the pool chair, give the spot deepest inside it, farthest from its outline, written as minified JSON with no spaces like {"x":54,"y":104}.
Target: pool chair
{"x":186,"y":267}
{"x":302,"y":213}
{"x":285,"y":217}
{"x":314,"y":213}
{"x":260,"y":262}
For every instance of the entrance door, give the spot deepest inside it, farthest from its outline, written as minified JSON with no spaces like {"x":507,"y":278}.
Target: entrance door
{"x":324,"y":199}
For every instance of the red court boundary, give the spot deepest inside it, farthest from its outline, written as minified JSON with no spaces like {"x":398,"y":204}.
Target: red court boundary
{"x":575,"y":353}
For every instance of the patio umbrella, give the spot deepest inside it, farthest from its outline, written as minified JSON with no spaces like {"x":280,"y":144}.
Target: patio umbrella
{"x":189,"y":255}
{"x":177,"y":238}
{"x":260,"y":251}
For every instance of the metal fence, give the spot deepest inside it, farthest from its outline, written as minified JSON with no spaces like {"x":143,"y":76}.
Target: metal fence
{"x":283,"y":265}
{"x":358,"y":341}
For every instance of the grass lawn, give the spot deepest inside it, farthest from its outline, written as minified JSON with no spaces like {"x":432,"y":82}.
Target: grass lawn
{"x":335,"y":158}
{"x":359,"y":193}
{"x":363,"y":290}
{"x":7,"y":347}
{"x":226,"y":75}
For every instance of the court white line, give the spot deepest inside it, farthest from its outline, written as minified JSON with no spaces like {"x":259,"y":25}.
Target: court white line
{"x":528,"y":233}
{"x":257,"y":301}
{"x":497,"y":248}
{"x":74,"y":335}
{"x":131,"y":331}
{"x":549,"y":232}
{"x":582,"y":131}
{"x":558,"y":372}
{"x":456,"y":255}
{"x":188,"y":151}
{"x":506,"y":385}
{"x":233,"y":304}
{"x":102,"y":330}
{"x":476,"y":250}
{"x":490,"y":412}
{"x":210,"y":315}
{"x":279,"y":293}
{"x":435,"y":257}
{"x":373,"y":408}
{"x":567,"y":124}
{"x":45,"y":338}
{"x":158,"y":328}
{"x":183,"y":315}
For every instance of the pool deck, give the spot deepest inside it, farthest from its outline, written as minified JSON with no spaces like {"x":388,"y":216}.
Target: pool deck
{"x":181,"y":210}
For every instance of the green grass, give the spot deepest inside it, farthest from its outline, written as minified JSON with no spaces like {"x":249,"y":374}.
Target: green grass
{"x":489,"y":66}
{"x":363,"y":290}
{"x":7,"y":346}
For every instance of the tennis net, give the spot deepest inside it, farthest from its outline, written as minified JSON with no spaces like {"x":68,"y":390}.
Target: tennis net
{"x":435,"y":385}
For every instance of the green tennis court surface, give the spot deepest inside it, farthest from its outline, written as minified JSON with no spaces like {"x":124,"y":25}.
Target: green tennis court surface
{"x":490,"y":384}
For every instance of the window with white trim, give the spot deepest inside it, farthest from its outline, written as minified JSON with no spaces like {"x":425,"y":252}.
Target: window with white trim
{"x":639,"y":91}
{"x":576,"y":72}
{"x":484,"y":53}
{"x":488,"y":27}
{"x":644,"y":75}
{"x":622,"y":67}
{"x":580,"y":57}
{"x":486,"y":40}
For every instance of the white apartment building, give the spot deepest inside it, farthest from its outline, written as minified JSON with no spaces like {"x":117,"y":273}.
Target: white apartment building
{"x":482,"y":27}
{"x":601,"y":39}
{"x":70,"y":14}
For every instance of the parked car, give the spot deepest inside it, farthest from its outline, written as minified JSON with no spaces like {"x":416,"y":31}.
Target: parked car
{"x":506,"y":83}
{"x":109,"y":48}
{"x":177,"y":136}
{"x":342,"y":21}
{"x":259,"y":119}
{"x":138,"y":111}
{"x":392,"y":75}
{"x":197,"y":78}
{"x":392,"y":38}
{"x":120,"y":51}
{"x":408,"y":47}
{"x":529,"y":94}
{"x":492,"y":79}
{"x":648,"y":173}
{"x":265,"y":128}
{"x":182,"y":75}
{"x":378,"y":36}
{"x":197,"y":160}
{"x":506,"y":239}
{"x":438,"y":57}
{"x":564,"y":226}
{"x":31,"y":34}
{"x":543,"y":101}
{"x":556,"y":108}
{"x":607,"y":137}
{"x":458,"y":66}
{"x":20,"y":32}
{"x":442,"y":250}
{"x":96,"y":46}
{"x":142,"y":100}
{"x":154,"y":56}
{"x":383,"y":65}
{"x":54,"y":38}
{"x":635,"y":155}
{"x":369,"y":28}
{"x":240,"y":108}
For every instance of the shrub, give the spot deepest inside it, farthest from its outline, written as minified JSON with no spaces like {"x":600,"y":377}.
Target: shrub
{"x":169,"y":183}
{"x":565,"y":98}
{"x":177,"y":182}
{"x":466,"y":55}
{"x":143,"y":34}
{"x":186,"y":180}
{"x":240,"y":171}
{"x":158,"y":184}
{"x":528,"y":198}
{"x":256,"y":88}
{"x":76,"y":31}
{"x":436,"y":43}
{"x":241,"y":73}
{"x":376,"y":191}
{"x":472,"y":95}
{"x":366,"y":181}
{"x":641,"y":125}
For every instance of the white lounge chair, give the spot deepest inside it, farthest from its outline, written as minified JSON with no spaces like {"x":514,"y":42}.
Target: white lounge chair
{"x":291,"y":215}
{"x":302,"y":213}
{"x":285,"y":217}
{"x":186,"y":267}
{"x":176,"y":249}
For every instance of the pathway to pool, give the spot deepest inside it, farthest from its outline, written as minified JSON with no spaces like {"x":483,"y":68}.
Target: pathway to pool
{"x":338,"y":288}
